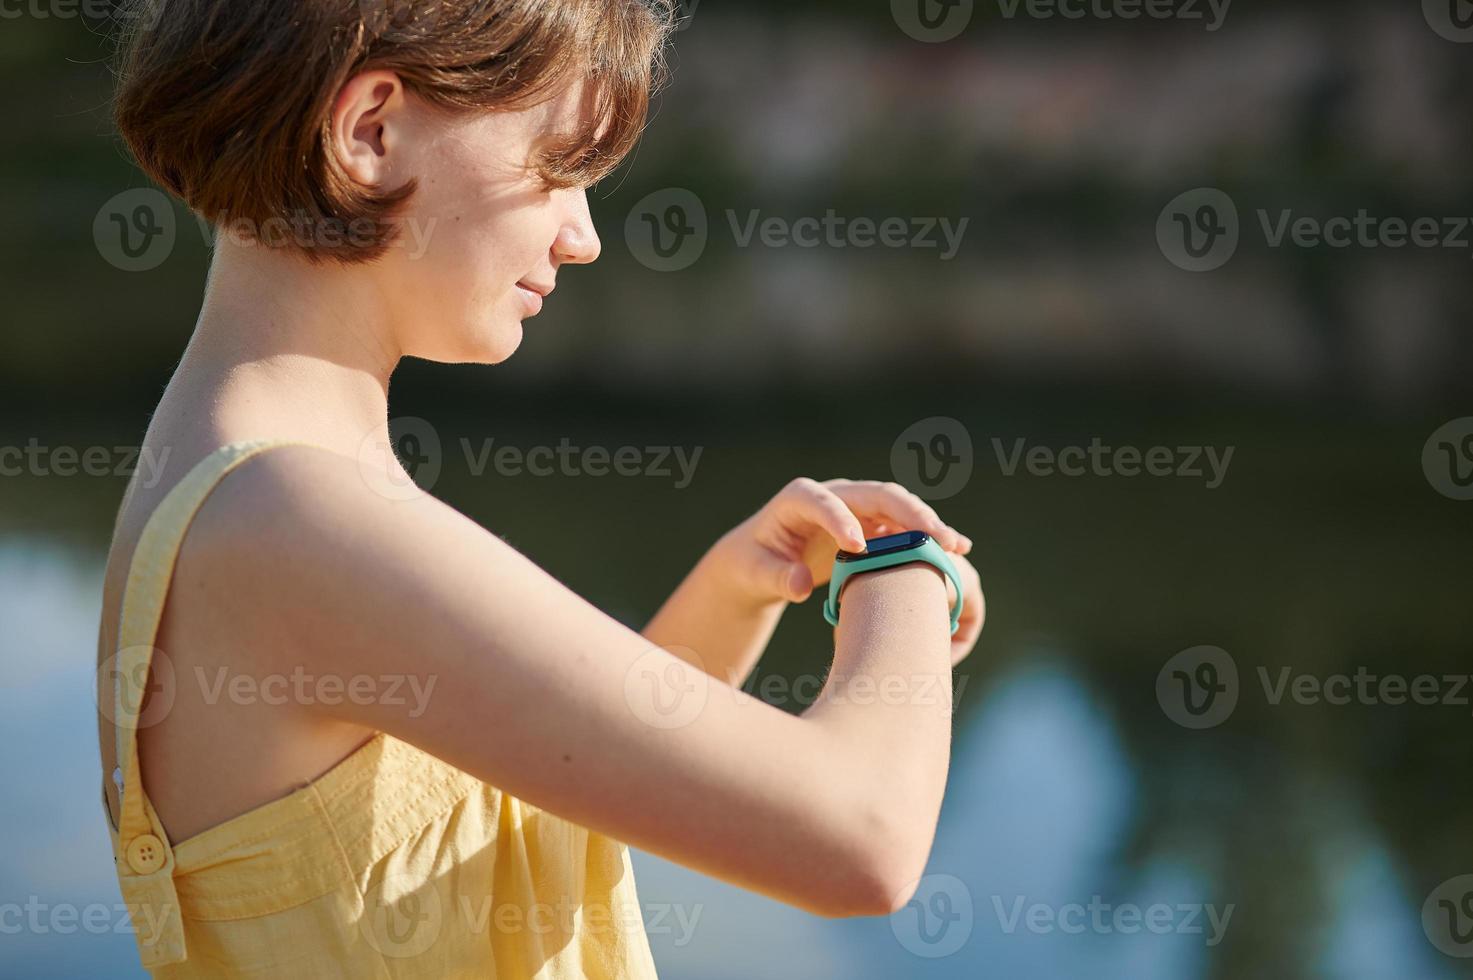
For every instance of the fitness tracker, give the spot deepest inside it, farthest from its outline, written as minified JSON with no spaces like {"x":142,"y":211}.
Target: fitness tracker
{"x":886,"y":552}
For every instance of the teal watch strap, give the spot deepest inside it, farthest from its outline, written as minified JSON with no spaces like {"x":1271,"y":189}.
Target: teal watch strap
{"x":928,"y":551}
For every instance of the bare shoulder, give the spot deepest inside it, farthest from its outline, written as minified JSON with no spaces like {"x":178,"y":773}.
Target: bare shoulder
{"x":274,"y":490}
{"x":307,"y":555}
{"x":304,"y":504}
{"x":301,"y":562}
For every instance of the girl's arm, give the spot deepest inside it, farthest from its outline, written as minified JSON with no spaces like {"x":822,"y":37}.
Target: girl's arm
{"x":730,"y":603}
{"x":542,"y":695}
{"x":708,"y":613}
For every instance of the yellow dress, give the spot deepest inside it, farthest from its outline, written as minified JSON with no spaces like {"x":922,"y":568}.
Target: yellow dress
{"x":391,"y":865}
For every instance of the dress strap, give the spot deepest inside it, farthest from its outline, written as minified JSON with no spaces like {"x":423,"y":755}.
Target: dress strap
{"x":145,"y":861}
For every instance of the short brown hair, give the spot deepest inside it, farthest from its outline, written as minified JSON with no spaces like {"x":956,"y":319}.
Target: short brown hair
{"x":226,"y":103}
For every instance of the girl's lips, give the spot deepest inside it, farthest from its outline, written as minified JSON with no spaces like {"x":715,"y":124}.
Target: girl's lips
{"x":532,"y":298}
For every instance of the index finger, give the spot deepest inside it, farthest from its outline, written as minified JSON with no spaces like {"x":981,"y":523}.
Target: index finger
{"x":900,"y":507}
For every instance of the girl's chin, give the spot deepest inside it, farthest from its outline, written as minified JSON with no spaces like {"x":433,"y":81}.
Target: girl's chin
{"x":485,"y":344}
{"x":499,"y":343}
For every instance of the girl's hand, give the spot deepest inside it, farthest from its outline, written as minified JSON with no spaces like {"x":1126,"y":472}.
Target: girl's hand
{"x":786,"y":550}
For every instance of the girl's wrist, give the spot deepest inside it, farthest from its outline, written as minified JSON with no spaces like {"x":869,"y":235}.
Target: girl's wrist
{"x":727,"y":567}
{"x":912,"y":585}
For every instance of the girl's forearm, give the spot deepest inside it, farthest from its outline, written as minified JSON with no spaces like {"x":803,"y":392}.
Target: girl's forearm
{"x":710,"y":623}
{"x":888,"y":699}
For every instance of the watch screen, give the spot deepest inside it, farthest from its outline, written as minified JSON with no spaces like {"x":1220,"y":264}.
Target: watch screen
{"x":904,"y":541}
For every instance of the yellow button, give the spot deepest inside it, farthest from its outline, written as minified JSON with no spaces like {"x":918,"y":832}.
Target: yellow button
{"x":145,"y":854}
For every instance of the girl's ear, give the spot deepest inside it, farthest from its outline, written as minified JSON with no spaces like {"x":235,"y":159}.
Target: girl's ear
{"x":368,"y":124}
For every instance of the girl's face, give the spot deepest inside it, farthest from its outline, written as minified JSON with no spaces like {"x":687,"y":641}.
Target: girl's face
{"x":481,"y":240}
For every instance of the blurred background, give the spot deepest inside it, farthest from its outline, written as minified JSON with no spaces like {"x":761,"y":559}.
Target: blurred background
{"x":1151,"y":775}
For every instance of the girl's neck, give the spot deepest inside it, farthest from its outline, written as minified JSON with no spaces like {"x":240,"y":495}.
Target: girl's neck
{"x":284,"y":349}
